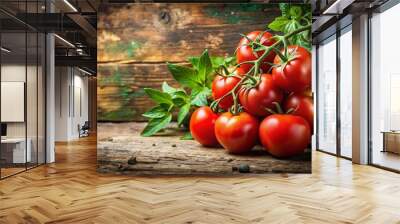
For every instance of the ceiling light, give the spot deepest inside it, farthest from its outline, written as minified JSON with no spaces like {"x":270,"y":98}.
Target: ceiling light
{"x":337,"y":7}
{"x":70,"y":5}
{"x":65,"y":41}
{"x":5,"y":50}
{"x":84,"y":71}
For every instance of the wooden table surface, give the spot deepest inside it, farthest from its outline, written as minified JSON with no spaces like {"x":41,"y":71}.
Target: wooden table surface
{"x":121,"y":149}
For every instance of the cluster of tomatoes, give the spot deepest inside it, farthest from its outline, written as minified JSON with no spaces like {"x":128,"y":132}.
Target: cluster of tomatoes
{"x":275,"y":106}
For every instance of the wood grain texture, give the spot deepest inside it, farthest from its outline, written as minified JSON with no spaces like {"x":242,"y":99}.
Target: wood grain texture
{"x":136,"y":40}
{"x":71,"y":191}
{"x":122,"y":150}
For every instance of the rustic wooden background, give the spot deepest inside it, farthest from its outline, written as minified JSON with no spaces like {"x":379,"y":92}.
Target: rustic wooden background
{"x":135,"y":41}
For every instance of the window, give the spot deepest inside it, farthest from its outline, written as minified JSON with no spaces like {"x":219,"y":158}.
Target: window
{"x":385,"y":89}
{"x":346,"y":95}
{"x":327,"y":95}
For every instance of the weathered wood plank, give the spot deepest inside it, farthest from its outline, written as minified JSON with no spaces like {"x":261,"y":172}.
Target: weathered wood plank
{"x":135,"y":41}
{"x":172,"y":32}
{"x":120,"y":89}
{"x":122,"y":150}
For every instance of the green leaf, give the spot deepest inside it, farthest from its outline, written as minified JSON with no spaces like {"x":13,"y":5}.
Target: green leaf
{"x":284,"y":7}
{"x":180,"y":98}
{"x":230,"y":61}
{"x":279,"y":24}
{"x":199,"y":98}
{"x":292,"y":25}
{"x":156,"y":112}
{"x":184,"y":75}
{"x":183,"y":113}
{"x":187,"y":136}
{"x":217,"y":61}
{"x":194,"y":61}
{"x":158,"y":96}
{"x":167,"y":88}
{"x":156,"y":124}
{"x":295,"y":12}
{"x":205,"y":66}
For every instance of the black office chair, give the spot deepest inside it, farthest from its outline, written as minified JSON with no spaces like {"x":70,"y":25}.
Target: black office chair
{"x":84,"y":130}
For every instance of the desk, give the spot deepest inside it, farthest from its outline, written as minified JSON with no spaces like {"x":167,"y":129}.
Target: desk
{"x":16,"y":147}
{"x":391,"y":141}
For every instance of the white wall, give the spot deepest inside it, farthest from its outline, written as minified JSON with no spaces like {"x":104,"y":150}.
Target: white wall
{"x":71,"y":103}
{"x":33,"y":126}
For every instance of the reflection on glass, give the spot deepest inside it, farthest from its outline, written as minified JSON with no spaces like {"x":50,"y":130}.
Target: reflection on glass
{"x":15,"y":150}
{"x":385,"y":86}
{"x":327,"y":96}
{"x":346,"y":93}
{"x":31,"y":97}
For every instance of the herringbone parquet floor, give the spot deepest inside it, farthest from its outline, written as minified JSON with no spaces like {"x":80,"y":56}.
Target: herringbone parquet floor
{"x":70,"y":191}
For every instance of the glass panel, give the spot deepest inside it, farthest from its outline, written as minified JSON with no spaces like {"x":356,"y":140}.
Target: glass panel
{"x":13,"y":93}
{"x":31,"y":98}
{"x":41,"y":99}
{"x":385,"y":84}
{"x":327,"y":96}
{"x":346,"y":93}
{"x":32,"y":88}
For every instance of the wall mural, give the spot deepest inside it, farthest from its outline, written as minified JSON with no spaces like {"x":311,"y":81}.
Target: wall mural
{"x":212,"y":89}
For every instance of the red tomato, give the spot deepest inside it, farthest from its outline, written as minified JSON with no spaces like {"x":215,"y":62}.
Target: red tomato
{"x":295,"y":74}
{"x":245,"y":52}
{"x":254,"y":100}
{"x":221,"y":86}
{"x":202,"y":125}
{"x":285,"y":135}
{"x":237,"y":133}
{"x":302,"y":105}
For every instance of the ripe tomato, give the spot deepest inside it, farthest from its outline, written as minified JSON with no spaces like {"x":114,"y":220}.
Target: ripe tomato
{"x":245,"y":52}
{"x":237,"y":133}
{"x":202,"y":124}
{"x":254,"y":100}
{"x":302,"y":105}
{"x":222,"y":85}
{"x":285,"y":135}
{"x":295,"y":74}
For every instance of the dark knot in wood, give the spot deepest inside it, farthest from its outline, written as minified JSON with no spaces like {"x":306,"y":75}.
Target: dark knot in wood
{"x":132,"y":160}
{"x":165,"y":17}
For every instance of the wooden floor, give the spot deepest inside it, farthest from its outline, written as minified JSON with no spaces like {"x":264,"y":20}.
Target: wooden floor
{"x":70,"y":191}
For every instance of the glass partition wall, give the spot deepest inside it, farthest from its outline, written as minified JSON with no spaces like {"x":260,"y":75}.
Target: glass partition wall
{"x":385,"y":89}
{"x":326,"y":104}
{"x":22,"y":98}
{"x":334,"y":94}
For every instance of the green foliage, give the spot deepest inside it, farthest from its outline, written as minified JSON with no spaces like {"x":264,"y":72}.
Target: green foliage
{"x":187,"y":136}
{"x":196,"y":92}
{"x":294,"y":17}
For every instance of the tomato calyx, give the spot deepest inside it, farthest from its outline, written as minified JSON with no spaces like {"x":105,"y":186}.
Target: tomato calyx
{"x":279,"y":109}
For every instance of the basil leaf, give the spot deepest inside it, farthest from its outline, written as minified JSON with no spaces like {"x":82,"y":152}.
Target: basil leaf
{"x":194,"y":61}
{"x":156,"y":124}
{"x":156,"y":112}
{"x":185,"y":76}
{"x":167,"y":88}
{"x":199,"y":98}
{"x":187,"y":136}
{"x":183,"y":113}
{"x":284,"y":7}
{"x":217,"y":61}
{"x":292,"y":25}
{"x":279,"y":24}
{"x":229,"y":61}
{"x":295,"y":12}
{"x":205,"y":66}
{"x":158,"y":96}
